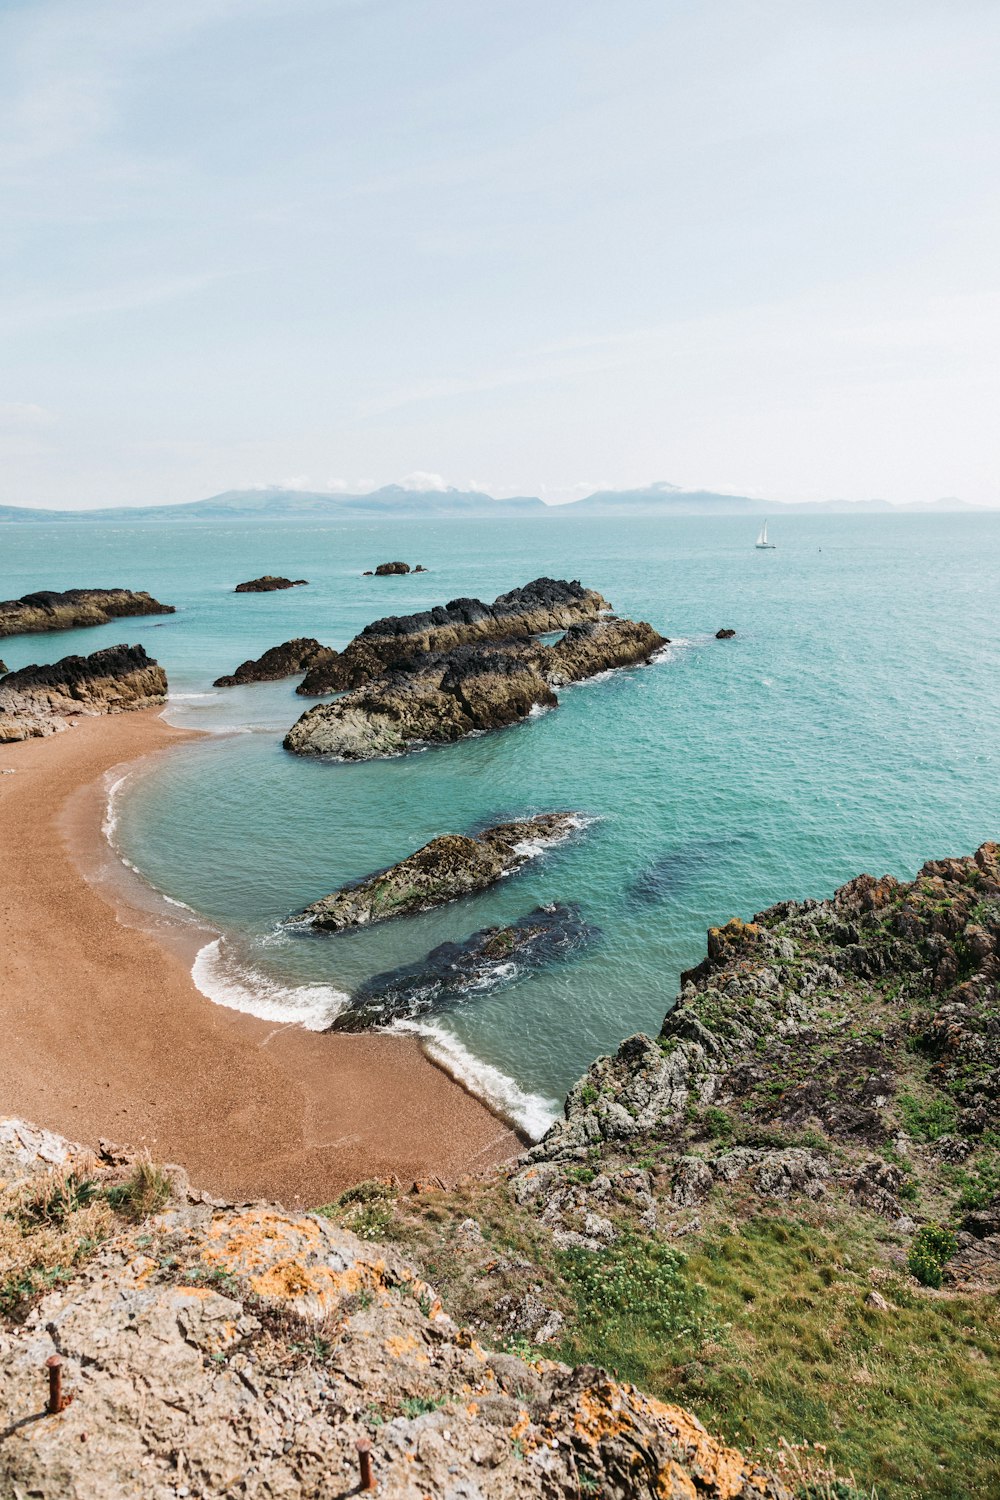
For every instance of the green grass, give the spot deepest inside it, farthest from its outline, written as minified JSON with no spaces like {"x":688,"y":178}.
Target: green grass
{"x":906,"y":1400}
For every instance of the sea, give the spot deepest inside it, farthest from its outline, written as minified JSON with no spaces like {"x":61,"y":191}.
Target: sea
{"x":852,"y":724}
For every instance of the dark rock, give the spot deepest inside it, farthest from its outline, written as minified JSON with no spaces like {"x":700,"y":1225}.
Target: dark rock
{"x":454,"y":973}
{"x":391,"y":569}
{"x":724,"y":635}
{"x":475,"y":687}
{"x":74,"y":609}
{"x":39,"y":700}
{"x":268,"y":584}
{"x":402,"y":642}
{"x":446,"y":868}
{"x":280,"y":661}
{"x":420,"y":568}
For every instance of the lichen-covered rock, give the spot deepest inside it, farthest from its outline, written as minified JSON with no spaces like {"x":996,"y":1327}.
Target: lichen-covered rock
{"x":450,"y":866}
{"x":391,"y":569}
{"x":268,"y":583}
{"x":401,"y":643}
{"x":41,"y":700}
{"x":279,"y":661}
{"x":211,"y":1350}
{"x":471,"y":688}
{"x":74,"y":609}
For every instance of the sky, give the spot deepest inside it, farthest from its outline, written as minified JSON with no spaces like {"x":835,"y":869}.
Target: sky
{"x":529,"y":246}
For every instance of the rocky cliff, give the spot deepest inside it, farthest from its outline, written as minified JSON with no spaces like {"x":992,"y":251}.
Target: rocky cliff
{"x":41,"y":700}
{"x":285,"y":660}
{"x":209,"y":1350}
{"x":74,"y":608}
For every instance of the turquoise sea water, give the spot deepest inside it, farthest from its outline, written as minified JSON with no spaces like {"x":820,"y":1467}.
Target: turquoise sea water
{"x":852,"y":724}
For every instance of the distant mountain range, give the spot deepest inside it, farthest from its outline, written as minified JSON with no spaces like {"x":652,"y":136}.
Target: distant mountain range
{"x":395,"y":501}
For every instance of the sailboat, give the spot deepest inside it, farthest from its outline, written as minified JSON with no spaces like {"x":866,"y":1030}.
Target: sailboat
{"x":762,"y":541}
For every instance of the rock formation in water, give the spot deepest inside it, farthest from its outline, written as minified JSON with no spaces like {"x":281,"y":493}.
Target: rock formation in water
{"x":268,"y":584}
{"x":391,"y":569}
{"x":399,"y":642}
{"x":448,"y":867}
{"x":74,"y":609}
{"x":207,"y":1349}
{"x":41,"y":700}
{"x":449,"y":695}
{"x":453,"y":973}
{"x":724,"y":634}
{"x":280,"y":661}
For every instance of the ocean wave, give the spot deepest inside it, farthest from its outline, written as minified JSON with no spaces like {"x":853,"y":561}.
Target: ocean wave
{"x":173,"y":697}
{"x":240,"y":987}
{"x":530,"y":1113}
{"x":532,"y":848}
{"x":109,"y":824}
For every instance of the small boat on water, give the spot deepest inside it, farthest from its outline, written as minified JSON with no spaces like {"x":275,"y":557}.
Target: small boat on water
{"x":762,"y":541}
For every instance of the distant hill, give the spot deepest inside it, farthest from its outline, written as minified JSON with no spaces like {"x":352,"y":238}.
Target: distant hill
{"x":282,"y":505}
{"x":393,"y":500}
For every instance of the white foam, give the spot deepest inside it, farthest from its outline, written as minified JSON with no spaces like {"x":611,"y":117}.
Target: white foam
{"x":243,"y":988}
{"x":110,"y":822}
{"x":530,"y":1113}
{"x":191,"y":697}
{"x":532,"y":848}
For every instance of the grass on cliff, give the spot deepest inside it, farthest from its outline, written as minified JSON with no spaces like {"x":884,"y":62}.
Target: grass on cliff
{"x":763,"y":1333}
{"x":907,"y":1399}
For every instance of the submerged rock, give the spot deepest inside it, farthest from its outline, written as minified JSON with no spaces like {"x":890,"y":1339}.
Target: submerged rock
{"x":280,"y":661}
{"x":40,"y":700}
{"x":454,"y":973}
{"x":448,"y":867}
{"x":451,"y":695}
{"x":74,"y":609}
{"x":268,"y":583}
{"x":402,"y":642}
{"x":390,"y":569}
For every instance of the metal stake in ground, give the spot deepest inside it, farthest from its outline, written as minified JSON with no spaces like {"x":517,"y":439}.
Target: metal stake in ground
{"x":364,"y":1447}
{"x":56,"y":1402}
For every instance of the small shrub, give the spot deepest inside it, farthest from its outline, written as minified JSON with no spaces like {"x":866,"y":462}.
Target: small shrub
{"x":927,"y":1119}
{"x":932,"y":1246}
{"x":145,"y":1193}
{"x":718,"y":1125}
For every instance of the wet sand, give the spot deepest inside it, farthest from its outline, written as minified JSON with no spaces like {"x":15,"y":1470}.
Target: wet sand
{"x":105,"y":1035}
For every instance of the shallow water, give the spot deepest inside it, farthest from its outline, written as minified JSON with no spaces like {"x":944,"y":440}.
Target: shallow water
{"x":852,"y":724}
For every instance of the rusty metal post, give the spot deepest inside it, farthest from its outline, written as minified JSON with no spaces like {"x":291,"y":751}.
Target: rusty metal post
{"x":364,"y":1447}
{"x":54,"y":1366}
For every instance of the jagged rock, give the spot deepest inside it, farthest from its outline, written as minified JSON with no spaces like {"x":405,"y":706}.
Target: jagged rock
{"x":40,"y":700}
{"x":693,"y":1181}
{"x":469,"y":1235}
{"x":724,"y":635}
{"x":3,"y":668}
{"x":389,"y":569}
{"x":207,"y":1347}
{"x":420,"y":568}
{"x":399,"y":643}
{"x":75,"y":608}
{"x":877,"y":1301}
{"x":279,"y":661}
{"x":450,"y":866}
{"x":268,"y":584}
{"x":453,"y":973}
{"x":471,"y":688}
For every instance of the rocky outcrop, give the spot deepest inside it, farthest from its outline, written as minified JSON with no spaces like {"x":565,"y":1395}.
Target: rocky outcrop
{"x":391,"y":569}
{"x":41,"y":700}
{"x":448,"y":696}
{"x":285,"y":660}
{"x":207,"y":1345}
{"x":399,"y":643}
{"x":75,"y":609}
{"x":813,"y":1039}
{"x":453,"y":973}
{"x":724,"y":635}
{"x":269,"y":583}
{"x":450,"y":866}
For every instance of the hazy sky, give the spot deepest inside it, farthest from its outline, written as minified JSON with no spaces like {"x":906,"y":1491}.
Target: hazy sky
{"x":536,"y":246}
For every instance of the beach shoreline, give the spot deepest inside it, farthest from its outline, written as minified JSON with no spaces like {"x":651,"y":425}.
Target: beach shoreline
{"x":108,"y":1037}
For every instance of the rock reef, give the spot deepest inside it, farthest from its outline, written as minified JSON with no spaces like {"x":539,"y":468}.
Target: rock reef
{"x":448,"y":867}
{"x":74,"y":609}
{"x":398,"y":643}
{"x":285,"y":660}
{"x":40,"y":700}
{"x":453,"y":973}
{"x":269,"y":583}
{"x":449,"y":695}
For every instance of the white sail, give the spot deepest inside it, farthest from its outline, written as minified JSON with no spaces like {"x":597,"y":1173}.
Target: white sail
{"x":762,"y":539}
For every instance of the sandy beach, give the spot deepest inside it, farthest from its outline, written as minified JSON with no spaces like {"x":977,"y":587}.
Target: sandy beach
{"x":105,"y":1035}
